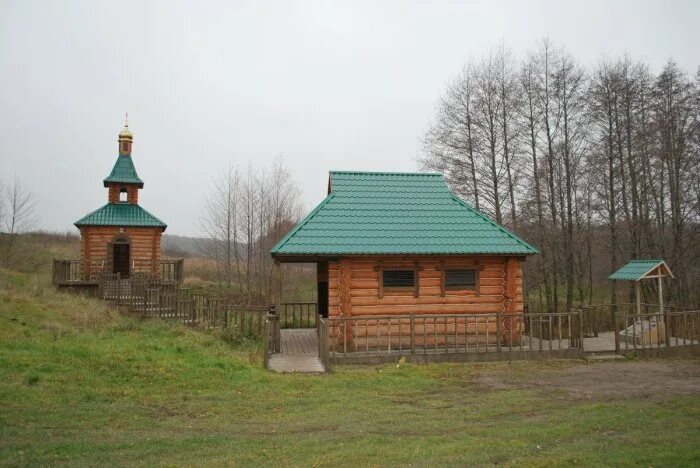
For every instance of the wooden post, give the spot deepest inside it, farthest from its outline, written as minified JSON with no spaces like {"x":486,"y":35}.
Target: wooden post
{"x":639,"y":297}
{"x":661,"y":294}
{"x":580,"y":329}
{"x":277,"y":307}
{"x":266,"y":343}
{"x":413,"y":333}
{"x":613,"y":313}
{"x":498,"y":332}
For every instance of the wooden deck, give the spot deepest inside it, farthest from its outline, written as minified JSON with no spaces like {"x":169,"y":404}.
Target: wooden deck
{"x":299,"y":352}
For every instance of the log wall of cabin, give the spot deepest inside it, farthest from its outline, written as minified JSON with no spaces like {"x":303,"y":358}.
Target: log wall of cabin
{"x":95,"y":242}
{"x":353,"y":287}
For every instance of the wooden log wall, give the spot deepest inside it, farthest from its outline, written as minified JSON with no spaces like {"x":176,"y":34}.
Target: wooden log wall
{"x":95,"y":244}
{"x":354,"y":289}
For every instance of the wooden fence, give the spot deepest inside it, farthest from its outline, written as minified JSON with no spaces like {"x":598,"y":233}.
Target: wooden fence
{"x":433,"y":337}
{"x":599,"y":318}
{"x":153,"y":297}
{"x":298,"y":314}
{"x":657,"y":333}
{"x":71,"y":272}
{"x":323,"y":347}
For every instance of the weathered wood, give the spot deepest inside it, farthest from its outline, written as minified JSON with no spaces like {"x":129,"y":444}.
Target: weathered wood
{"x":368,"y":296}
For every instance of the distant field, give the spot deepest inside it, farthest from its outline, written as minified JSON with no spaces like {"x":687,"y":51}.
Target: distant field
{"x":84,"y":385}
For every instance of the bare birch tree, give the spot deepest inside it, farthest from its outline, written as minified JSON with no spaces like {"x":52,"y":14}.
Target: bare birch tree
{"x":19,"y":216}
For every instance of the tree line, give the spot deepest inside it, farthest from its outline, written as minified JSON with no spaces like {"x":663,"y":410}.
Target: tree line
{"x":245,"y":214}
{"x":594,"y":165}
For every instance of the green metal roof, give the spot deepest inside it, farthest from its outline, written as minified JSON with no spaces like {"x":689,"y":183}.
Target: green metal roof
{"x":121,"y":214}
{"x":637,"y":269}
{"x":123,"y":172}
{"x":396,"y":213}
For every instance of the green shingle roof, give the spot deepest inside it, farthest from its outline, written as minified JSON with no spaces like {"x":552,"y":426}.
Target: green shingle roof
{"x":123,"y":172}
{"x":121,"y":214}
{"x":637,"y":269}
{"x":396,"y":213}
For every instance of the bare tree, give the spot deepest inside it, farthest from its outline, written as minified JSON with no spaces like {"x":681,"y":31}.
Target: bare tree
{"x":220,"y":223}
{"x":244,"y":217}
{"x":451,"y":144}
{"x":19,"y":217}
{"x":596,"y":166}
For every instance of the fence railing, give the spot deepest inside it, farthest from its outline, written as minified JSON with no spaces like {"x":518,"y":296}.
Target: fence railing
{"x":433,"y":334}
{"x":66,"y":272}
{"x":298,"y":314}
{"x":152,"y":297}
{"x":323,"y":348}
{"x":599,"y":318}
{"x":672,"y":328}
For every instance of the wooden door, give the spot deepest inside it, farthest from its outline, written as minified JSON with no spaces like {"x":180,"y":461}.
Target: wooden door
{"x":120,"y":260}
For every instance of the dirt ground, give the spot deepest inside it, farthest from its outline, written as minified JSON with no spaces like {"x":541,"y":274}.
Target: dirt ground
{"x":653,"y":379}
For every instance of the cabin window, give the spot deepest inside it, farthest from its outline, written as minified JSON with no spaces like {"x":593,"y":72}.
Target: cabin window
{"x":123,"y":196}
{"x":398,"y":279}
{"x":460,"y":278}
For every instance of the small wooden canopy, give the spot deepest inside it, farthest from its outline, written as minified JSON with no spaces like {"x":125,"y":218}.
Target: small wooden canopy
{"x":637,"y":270}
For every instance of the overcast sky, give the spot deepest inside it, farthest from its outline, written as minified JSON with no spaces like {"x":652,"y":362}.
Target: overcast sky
{"x":328,"y":85}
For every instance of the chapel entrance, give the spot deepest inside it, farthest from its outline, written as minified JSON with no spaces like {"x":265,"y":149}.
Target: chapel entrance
{"x":120,"y":257}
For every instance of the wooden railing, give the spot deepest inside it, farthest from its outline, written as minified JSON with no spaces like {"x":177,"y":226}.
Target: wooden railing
{"x":67,"y":272}
{"x":160,"y":298}
{"x":491,"y":335}
{"x":271,"y":336}
{"x":323,"y":348}
{"x":655,"y":331}
{"x":599,"y":318}
{"x":298,"y":314}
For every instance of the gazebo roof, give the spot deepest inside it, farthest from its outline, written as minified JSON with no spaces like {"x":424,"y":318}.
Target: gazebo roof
{"x":637,"y":270}
{"x":379,"y":213}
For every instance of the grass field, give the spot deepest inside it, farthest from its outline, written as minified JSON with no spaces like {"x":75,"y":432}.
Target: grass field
{"x":83,"y":385}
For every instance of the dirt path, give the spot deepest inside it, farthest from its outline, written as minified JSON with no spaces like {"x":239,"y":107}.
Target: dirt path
{"x":603,"y":380}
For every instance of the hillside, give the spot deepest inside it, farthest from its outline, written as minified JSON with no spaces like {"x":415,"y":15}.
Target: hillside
{"x":85,"y":385}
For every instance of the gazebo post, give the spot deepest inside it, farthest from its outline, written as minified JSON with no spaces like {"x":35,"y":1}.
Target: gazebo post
{"x":661,"y":294}
{"x":278,"y":305}
{"x":639,"y":297}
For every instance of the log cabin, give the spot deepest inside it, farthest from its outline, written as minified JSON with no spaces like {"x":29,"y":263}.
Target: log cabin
{"x":396,"y":244}
{"x":121,"y":237}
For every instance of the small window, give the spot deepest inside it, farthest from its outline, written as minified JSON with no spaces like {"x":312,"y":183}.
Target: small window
{"x":123,"y":195}
{"x":398,"y":278}
{"x":460,"y":279}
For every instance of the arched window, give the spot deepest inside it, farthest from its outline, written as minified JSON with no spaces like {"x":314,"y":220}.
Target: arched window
{"x":123,"y":195}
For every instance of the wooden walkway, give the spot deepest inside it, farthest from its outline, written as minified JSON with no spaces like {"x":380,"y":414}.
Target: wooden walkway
{"x":299,"y":352}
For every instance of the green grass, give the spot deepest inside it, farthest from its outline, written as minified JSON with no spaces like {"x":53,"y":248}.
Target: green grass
{"x":84,"y":385}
